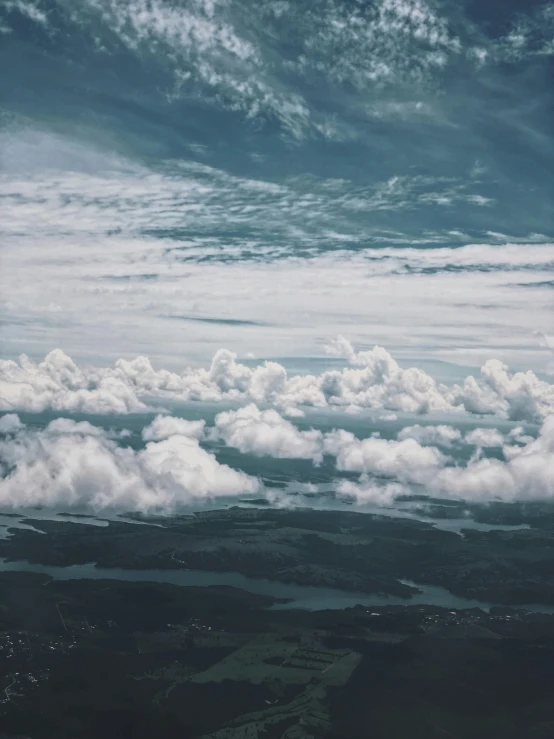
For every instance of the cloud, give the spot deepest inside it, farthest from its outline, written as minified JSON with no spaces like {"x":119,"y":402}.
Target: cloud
{"x":84,"y":191}
{"x":251,"y":430}
{"x":68,"y":426}
{"x":374,"y":380}
{"x":30,"y":9}
{"x":485,"y":438}
{"x":519,"y":436}
{"x":525,"y":473}
{"x":76,"y":464}
{"x":58,"y":383}
{"x":10,"y":424}
{"x":519,"y":396}
{"x":528,"y":473}
{"x":205,"y":49}
{"x":68,"y":464}
{"x":157,"y":247}
{"x":164,"y":427}
{"x":546,"y":340}
{"x":441,"y":435}
{"x":406,"y":461}
{"x":368,"y":46}
{"x":370,"y":491}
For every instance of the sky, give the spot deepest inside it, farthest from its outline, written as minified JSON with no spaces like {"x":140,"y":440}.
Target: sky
{"x":285,"y":208}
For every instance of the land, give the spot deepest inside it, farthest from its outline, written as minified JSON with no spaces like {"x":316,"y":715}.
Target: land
{"x":349,"y":551}
{"x":84,"y":659}
{"x":88,"y":658}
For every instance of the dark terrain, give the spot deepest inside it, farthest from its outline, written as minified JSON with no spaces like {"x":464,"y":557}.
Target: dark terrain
{"x":82,"y":659}
{"x":351,"y":551}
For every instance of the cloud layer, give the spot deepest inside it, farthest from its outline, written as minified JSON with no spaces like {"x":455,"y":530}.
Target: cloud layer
{"x":78,"y":465}
{"x":373,"y":380}
{"x":151,"y":258}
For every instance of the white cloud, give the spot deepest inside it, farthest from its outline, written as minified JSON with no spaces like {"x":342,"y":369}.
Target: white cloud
{"x":128,"y":276}
{"x":519,"y":396}
{"x":372,"y":45}
{"x":254,"y":431}
{"x":485,"y":438}
{"x":58,"y":383}
{"x":163,"y":427}
{"x":206,"y":50}
{"x":373,"y":380}
{"x":369,"y":491}
{"x":30,"y":9}
{"x":76,"y":464}
{"x":528,"y":474}
{"x":546,"y":340}
{"x":10,"y":423}
{"x":440,"y":435}
{"x":406,"y":461}
{"x":68,"y":464}
{"x":519,"y":436}
{"x":69,"y":426}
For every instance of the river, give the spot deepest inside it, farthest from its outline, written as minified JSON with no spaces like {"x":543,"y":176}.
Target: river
{"x":298,"y":596}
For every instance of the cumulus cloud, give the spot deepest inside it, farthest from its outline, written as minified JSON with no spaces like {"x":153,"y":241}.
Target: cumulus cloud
{"x":528,"y":473}
{"x":525,"y":473}
{"x":163,"y":427}
{"x":10,"y":423}
{"x":520,"y":396}
{"x":440,"y":435}
{"x":266,"y":432}
{"x":372,"y":380}
{"x":407,"y":460}
{"x":77,"y":464}
{"x":370,"y":491}
{"x":70,"y":464}
{"x":519,"y":436}
{"x":59,"y":384}
{"x":485,"y":438}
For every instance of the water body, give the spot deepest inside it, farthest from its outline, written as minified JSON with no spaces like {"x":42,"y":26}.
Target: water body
{"x":400,"y":510}
{"x":17,"y":520}
{"x":297,"y":596}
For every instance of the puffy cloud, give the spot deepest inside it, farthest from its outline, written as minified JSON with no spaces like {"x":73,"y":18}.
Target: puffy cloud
{"x":521,"y":396}
{"x":380,"y":383}
{"x":406,"y":460}
{"x":58,"y":383}
{"x":163,"y":427}
{"x":373,"y":379}
{"x":254,"y":431}
{"x":10,"y":423}
{"x":68,"y":464}
{"x":369,"y":491}
{"x":519,"y":436}
{"x":77,"y":464}
{"x":485,"y":438}
{"x":68,"y":426}
{"x":431,"y":435}
{"x":528,"y":473}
